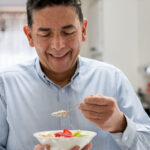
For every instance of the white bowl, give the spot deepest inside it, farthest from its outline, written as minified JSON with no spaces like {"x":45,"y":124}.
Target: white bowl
{"x":64,"y":143}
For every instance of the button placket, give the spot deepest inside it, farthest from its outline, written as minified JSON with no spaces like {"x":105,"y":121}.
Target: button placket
{"x":117,"y":140}
{"x":63,"y":90}
{"x":64,"y":105}
{"x":126,"y":138}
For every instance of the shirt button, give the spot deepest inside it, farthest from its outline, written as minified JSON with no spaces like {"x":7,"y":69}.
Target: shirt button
{"x":117,"y":140}
{"x":126,"y":138}
{"x":63,"y":91}
{"x":48,"y":81}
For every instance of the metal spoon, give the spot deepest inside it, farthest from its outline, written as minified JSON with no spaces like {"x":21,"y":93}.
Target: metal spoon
{"x":62,"y":113}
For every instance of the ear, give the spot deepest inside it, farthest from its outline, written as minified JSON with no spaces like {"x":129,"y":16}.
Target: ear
{"x":27,"y":32}
{"x":84,"y":27}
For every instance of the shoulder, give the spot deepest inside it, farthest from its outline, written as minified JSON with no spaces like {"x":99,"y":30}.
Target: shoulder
{"x":18,"y":69}
{"x":96,"y":65}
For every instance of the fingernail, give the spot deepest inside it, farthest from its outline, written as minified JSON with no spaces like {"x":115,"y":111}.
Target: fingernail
{"x":79,"y":106}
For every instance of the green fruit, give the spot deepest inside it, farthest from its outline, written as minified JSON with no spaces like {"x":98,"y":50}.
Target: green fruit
{"x":80,"y":134}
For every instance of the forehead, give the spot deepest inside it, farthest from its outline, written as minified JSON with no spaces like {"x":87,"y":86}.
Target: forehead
{"x":55,"y":17}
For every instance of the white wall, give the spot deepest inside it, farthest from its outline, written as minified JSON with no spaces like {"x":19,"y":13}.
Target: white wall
{"x":144,"y":31}
{"x":93,"y":11}
{"x":84,"y":50}
{"x":121,"y":36}
{"x":117,"y":29}
{"x":12,"y":2}
{"x":127,"y":37}
{"x":144,"y":38}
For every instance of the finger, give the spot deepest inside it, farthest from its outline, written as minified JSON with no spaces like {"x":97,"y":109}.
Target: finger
{"x":42,"y":147}
{"x":76,"y":148}
{"x":99,"y":100}
{"x":87,"y":147}
{"x":38,"y":147}
{"x":99,"y":116}
{"x":46,"y":147}
{"x":91,"y":114}
{"x":93,"y":107}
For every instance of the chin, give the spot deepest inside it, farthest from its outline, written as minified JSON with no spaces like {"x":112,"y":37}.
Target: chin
{"x":59,"y":70}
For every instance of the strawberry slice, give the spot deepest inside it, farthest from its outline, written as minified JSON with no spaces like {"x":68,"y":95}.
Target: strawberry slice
{"x":59,"y":134}
{"x":65,"y":133}
{"x":68,"y":132}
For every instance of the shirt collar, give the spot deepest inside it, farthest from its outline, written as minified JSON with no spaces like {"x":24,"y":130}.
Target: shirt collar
{"x":43,"y":76}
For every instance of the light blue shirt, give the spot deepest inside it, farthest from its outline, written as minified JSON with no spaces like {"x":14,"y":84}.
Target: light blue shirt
{"x":27,"y":97}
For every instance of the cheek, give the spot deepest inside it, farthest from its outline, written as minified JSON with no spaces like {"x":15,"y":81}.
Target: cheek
{"x":74,"y":43}
{"x":41,"y":45}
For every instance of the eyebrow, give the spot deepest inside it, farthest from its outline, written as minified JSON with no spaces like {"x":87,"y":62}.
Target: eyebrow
{"x":44,"y":29}
{"x":49,"y":29}
{"x":68,"y":27}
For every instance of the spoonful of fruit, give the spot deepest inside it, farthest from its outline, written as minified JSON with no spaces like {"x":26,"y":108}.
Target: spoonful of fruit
{"x":62,"y":113}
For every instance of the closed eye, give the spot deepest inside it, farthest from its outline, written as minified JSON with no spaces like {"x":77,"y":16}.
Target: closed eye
{"x":44,"y":35}
{"x":68,"y":33}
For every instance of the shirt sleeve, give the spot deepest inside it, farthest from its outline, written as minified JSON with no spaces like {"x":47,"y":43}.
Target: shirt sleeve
{"x":133,"y":138}
{"x":137,"y":133}
{"x":3,"y":121}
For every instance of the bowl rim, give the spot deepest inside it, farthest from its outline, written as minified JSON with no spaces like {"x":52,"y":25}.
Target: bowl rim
{"x":37,"y":134}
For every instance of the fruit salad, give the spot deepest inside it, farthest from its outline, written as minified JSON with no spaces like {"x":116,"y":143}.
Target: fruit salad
{"x":66,"y":133}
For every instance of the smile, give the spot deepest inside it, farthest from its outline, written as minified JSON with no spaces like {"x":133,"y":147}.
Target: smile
{"x":59,"y":56}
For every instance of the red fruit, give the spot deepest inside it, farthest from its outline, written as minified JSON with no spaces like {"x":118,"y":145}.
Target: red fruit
{"x":65,"y":133}
{"x":68,"y":132}
{"x":59,"y":134}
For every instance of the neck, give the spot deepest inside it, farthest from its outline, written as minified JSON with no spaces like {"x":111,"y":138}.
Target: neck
{"x":60,"y":79}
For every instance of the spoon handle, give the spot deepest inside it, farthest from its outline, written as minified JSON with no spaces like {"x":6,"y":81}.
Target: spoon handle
{"x":70,"y":109}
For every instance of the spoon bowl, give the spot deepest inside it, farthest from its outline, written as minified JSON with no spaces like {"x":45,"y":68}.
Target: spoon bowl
{"x":62,"y":113}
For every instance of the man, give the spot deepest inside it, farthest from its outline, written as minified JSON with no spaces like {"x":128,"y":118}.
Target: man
{"x":58,"y":79}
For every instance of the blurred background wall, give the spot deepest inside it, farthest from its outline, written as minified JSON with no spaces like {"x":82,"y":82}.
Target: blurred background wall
{"x":12,"y":3}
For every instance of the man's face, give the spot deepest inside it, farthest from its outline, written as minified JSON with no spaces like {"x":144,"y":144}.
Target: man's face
{"x":57,"y":35}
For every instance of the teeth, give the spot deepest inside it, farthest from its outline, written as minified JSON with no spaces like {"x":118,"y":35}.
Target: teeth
{"x":59,"y":56}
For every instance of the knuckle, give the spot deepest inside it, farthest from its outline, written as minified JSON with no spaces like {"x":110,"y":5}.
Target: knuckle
{"x":112,"y":102}
{"x":111,"y":111}
{"x":37,"y":147}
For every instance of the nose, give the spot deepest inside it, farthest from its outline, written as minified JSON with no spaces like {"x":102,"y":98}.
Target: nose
{"x":57,"y":42}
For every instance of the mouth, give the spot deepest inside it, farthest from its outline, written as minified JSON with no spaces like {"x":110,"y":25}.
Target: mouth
{"x":60,"y":57}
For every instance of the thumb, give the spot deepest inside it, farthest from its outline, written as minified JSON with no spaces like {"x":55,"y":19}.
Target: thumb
{"x":87,"y":147}
{"x":76,"y":148}
{"x":46,"y":147}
